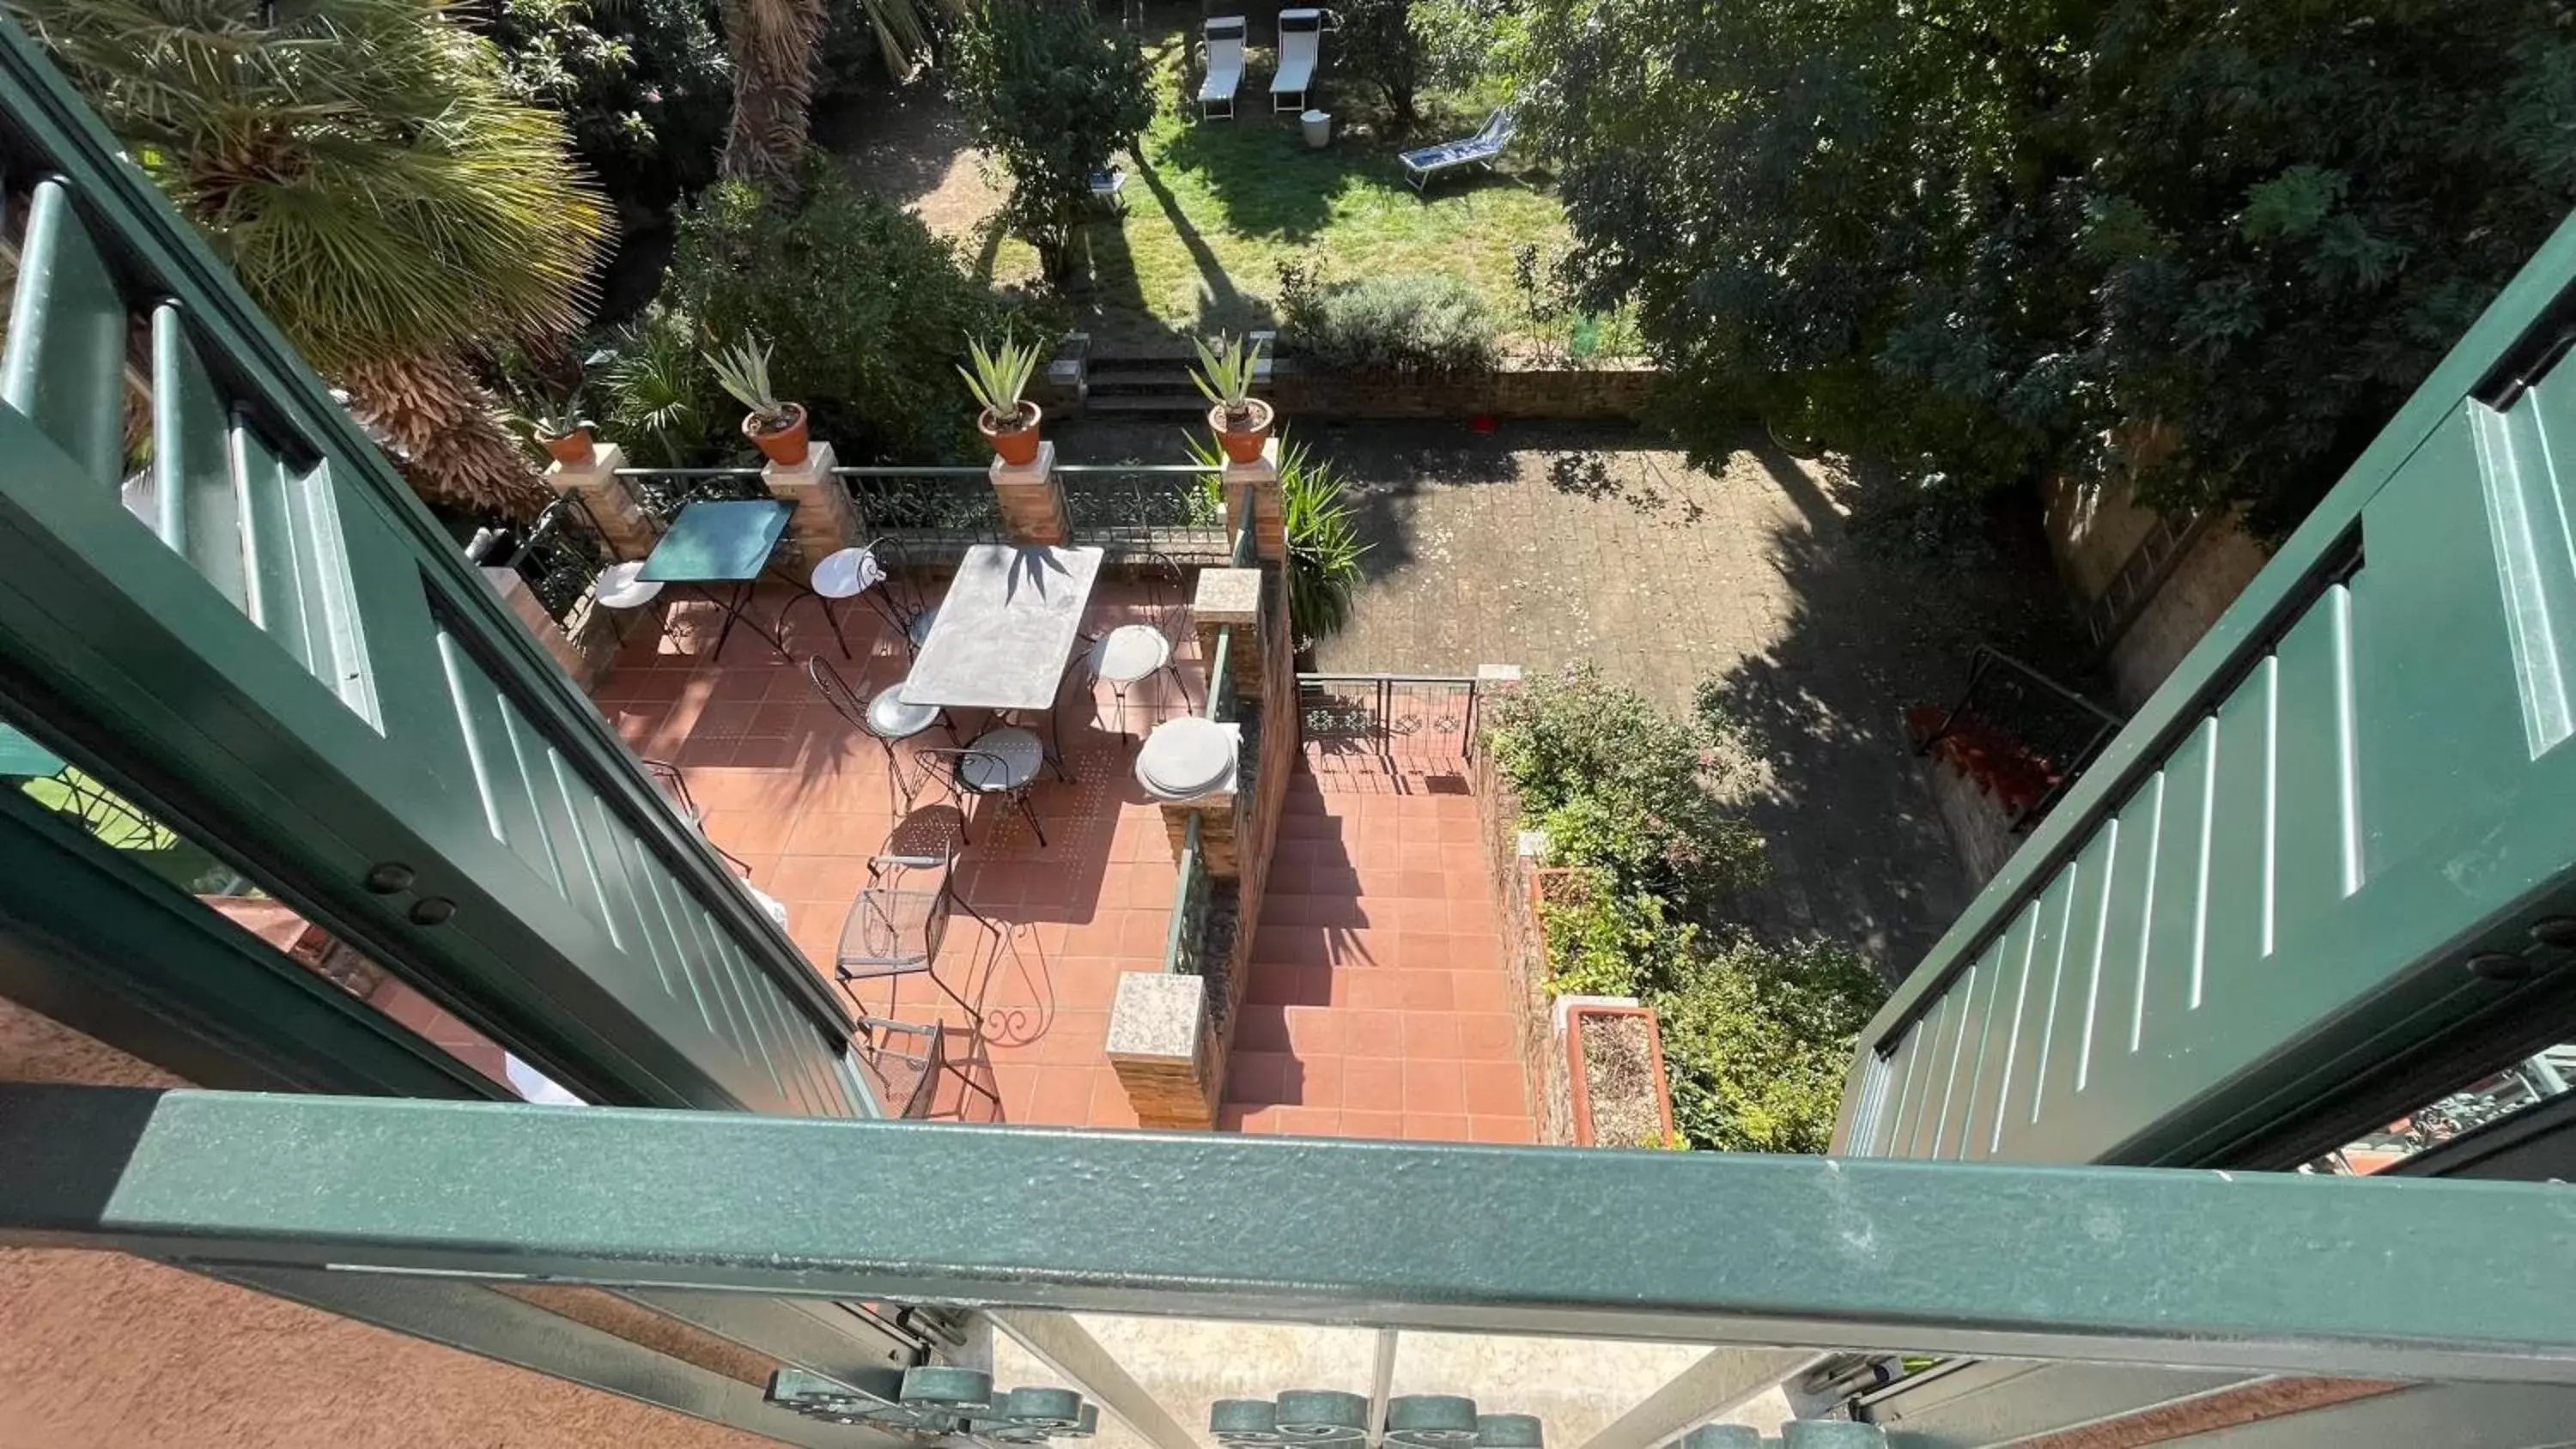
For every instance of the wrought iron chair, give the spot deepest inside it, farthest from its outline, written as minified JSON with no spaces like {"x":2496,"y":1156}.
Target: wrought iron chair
{"x":675,"y":787}
{"x":895,"y":927}
{"x":881,"y":574}
{"x":885,"y":718}
{"x":1130,"y":654}
{"x":1001,"y":762}
{"x":903,"y":1062}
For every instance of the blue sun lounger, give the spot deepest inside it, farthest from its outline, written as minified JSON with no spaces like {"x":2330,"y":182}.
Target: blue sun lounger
{"x":1479,"y":149}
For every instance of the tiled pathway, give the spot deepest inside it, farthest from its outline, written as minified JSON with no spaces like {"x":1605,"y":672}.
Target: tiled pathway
{"x":1379,"y":1006}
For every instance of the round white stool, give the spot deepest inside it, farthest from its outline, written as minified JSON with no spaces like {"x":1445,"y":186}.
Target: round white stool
{"x":1184,"y":759}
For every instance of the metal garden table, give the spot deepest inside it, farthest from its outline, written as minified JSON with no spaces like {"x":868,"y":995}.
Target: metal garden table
{"x":719,"y":549}
{"x":1006,"y":632}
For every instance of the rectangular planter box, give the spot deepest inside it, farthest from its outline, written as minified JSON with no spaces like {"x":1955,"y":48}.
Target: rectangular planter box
{"x":1581,"y":1018}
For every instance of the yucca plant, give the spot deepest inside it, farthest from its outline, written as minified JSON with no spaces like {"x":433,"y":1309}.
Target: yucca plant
{"x":743,"y":371}
{"x":1324,"y":547}
{"x":1225,"y":375}
{"x":1000,"y":377}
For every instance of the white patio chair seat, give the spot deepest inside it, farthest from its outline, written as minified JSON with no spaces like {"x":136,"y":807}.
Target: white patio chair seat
{"x":1129,"y":653}
{"x":889,"y":718}
{"x":1001,"y":760}
{"x":919,"y":633}
{"x":848,"y":573}
{"x":619,"y":587}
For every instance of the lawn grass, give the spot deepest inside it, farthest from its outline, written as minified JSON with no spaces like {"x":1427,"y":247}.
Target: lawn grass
{"x":1215,"y":207}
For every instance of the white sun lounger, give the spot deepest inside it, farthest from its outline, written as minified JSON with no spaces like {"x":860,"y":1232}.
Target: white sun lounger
{"x":1301,"y":38}
{"x":1478,"y":149}
{"x":1224,"y":67}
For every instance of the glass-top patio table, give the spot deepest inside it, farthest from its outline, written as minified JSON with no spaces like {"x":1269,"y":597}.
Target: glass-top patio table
{"x":1006,"y":631}
{"x":721,"y":548}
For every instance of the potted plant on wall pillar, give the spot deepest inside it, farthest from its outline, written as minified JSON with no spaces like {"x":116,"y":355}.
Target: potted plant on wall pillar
{"x":562,"y":431}
{"x":1225,"y":375}
{"x":778,"y":428}
{"x":999,"y":377}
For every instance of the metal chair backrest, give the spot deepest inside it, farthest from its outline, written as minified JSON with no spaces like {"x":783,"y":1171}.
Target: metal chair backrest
{"x":837,"y":693}
{"x":1167,"y":593}
{"x":901,"y":587}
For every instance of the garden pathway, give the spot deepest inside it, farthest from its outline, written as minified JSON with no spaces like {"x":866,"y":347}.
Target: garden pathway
{"x":1554,"y":544}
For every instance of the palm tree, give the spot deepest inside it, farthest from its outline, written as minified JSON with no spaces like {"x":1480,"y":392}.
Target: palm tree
{"x":774,"y":44}
{"x":359,"y":165}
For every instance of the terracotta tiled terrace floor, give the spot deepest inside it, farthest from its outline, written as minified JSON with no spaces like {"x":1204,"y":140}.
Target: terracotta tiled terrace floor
{"x":1379,"y":1003}
{"x":1377,"y":995}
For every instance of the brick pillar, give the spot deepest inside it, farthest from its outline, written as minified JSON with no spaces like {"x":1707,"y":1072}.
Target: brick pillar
{"x":585,"y":656}
{"x":1258,"y":483}
{"x":1161,"y":1048}
{"x":1231,"y":599}
{"x":827,"y":520}
{"x":1031,"y":502}
{"x":622,"y":526}
{"x":1220,"y":819}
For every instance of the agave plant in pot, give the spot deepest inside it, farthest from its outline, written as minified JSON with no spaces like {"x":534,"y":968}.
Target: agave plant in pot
{"x":1225,"y":374}
{"x":998,"y":378}
{"x":777,"y":427}
{"x":561,"y":430}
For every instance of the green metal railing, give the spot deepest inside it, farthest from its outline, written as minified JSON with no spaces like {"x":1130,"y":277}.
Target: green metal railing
{"x":1175,"y":511}
{"x":931,"y":513}
{"x":1184,"y":949}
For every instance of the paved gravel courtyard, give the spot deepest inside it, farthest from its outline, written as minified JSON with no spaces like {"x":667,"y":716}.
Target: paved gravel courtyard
{"x":1552,"y":544}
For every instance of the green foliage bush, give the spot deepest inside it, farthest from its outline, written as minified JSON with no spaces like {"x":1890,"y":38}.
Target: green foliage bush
{"x":1623,"y":787}
{"x":1757,"y":1038}
{"x":1404,"y":322}
{"x":2211,"y":242}
{"x":867,"y":311}
{"x":644,"y":84}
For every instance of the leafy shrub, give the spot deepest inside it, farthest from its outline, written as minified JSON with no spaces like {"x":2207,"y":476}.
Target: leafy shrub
{"x":867,"y":310}
{"x":1408,"y":322}
{"x":1610,"y":942}
{"x":1757,"y":1038}
{"x":1627,"y":788}
{"x":644,"y":84}
{"x":1324,"y":549}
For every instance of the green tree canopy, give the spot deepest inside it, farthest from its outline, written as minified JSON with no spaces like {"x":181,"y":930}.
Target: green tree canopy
{"x":2003,"y":238}
{"x":1053,"y":95}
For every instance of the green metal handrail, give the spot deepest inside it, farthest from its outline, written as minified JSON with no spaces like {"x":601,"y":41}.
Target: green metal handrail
{"x":1181,"y":945}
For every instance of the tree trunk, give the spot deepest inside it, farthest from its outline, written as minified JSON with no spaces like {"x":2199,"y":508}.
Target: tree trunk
{"x":444,"y":431}
{"x":773,"y":44}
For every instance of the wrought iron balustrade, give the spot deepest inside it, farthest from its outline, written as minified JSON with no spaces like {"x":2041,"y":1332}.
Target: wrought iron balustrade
{"x":1174,"y":510}
{"x":663,"y":492}
{"x":936,"y":513}
{"x":1424,"y":718}
{"x":560,"y":556}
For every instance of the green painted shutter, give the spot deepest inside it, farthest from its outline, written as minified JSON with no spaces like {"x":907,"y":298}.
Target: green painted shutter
{"x":266,"y":637}
{"x":2268,"y":889}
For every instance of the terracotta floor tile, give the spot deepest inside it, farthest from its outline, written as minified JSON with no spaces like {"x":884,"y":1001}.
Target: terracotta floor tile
{"x":1292,"y":985}
{"x":1427,"y":885}
{"x":1372,"y":989}
{"x":1371,"y":1033}
{"x":1259,"y":1121}
{"x":1258,"y":1078}
{"x":1436,"y":1127}
{"x":1315,"y":1030}
{"x":1432,"y":1036}
{"x":1262,"y":1028}
{"x":1433,"y":1084}
{"x":1484,"y":990}
{"x":1421,"y":990}
{"x":1309,"y":1121}
{"x":1074,"y":1037}
{"x":1061,"y":1097}
{"x":1145,"y":934}
{"x":1110,"y":1106}
{"x":1374,"y":1084}
{"x":1487,"y":1037}
{"x":1494,"y":1089}
{"x":1501,"y":1129}
{"x":1313,"y":1080}
{"x":1382,"y":1126}
{"x":1230,"y":1115}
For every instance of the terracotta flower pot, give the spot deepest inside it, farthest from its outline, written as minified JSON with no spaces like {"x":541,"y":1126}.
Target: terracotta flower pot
{"x":784,"y":443}
{"x":1017,"y":445}
{"x":572,"y":449}
{"x":1243,"y":445}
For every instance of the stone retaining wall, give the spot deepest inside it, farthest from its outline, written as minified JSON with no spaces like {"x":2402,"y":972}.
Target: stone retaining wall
{"x":1303,"y":390}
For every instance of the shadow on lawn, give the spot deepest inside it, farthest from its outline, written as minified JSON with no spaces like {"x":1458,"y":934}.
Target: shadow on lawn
{"x":1264,"y":180}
